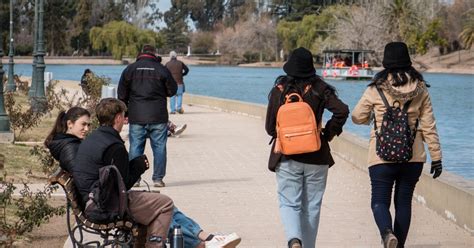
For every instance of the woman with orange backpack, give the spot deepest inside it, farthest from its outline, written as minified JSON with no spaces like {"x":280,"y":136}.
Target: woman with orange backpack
{"x":302,"y":169}
{"x":398,"y":99}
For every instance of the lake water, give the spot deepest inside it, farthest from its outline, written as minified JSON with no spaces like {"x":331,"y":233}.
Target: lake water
{"x":451,"y":94}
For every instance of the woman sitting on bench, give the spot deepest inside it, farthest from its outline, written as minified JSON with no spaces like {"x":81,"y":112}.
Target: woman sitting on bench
{"x":63,"y":141}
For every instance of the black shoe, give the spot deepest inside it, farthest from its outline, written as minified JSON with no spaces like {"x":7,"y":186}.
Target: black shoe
{"x":389,"y":240}
{"x":294,"y":243}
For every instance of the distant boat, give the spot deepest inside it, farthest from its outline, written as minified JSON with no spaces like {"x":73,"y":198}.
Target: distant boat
{"x":347,"y":64}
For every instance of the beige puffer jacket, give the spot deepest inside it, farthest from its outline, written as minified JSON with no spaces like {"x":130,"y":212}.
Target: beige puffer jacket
{"x":420,"y":108}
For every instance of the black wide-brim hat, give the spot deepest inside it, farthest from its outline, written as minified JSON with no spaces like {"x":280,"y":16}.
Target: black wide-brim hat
{"x":300,"y":64}
{"x":396,"y":56}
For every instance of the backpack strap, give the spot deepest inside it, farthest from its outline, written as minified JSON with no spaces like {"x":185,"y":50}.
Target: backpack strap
{"x":308,"y":88}
{"x":385,"y":102}
{"x":384,"y":99}
{"x":406,"y":105}
{"x":320,"y":109}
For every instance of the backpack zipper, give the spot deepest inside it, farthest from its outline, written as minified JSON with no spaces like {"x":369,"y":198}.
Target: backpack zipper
{"x":298,"y":134}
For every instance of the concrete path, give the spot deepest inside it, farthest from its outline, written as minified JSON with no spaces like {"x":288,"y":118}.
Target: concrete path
{"x":217,"y":174}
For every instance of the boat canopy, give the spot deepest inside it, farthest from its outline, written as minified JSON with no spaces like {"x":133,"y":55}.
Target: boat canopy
{"x":348,"y":51}
{"x":346,"y":58}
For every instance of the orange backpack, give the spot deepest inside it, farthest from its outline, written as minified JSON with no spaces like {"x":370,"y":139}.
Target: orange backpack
{"x":296,"y":127}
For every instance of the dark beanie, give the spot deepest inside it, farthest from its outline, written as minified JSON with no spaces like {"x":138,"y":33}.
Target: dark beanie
{"x":148,"y":49}
{"x":300,"y":64}
{"x":396,"y":55}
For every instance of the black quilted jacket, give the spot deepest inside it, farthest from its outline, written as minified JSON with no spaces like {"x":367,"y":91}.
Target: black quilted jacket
{"x":64,"y":147}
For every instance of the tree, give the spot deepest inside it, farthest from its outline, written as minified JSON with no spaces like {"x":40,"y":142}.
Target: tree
{"x":287,"y":34}
{"x":202,"y":42}
{"x":249,"y":38}
{"x":142,"y":13}
{"x":5,"y":22}
{"x":122,"y":39}
{"x":238,"y":11}
{"x":315,"y":32}
{"x":176,"y":31}
{"x":57,"y":19}
{"x":363,"y":28}
{"x":430,"y":37}
{"x":81,"y":25}
{"x":467,"y":34}
{"x":106,"y":11}
{"x":401,"y":16}
{"x":206,"y":13}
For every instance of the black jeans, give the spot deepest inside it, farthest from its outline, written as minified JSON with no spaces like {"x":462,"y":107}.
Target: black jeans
{"x":382,"y":177}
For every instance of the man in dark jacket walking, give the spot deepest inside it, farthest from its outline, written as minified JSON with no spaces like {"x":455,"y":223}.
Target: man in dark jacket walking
{"x":104,"y":147}
{"x":144,"y":86}
{"x":178,"y":70}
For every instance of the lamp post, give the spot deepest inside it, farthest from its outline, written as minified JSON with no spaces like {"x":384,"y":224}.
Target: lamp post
{"x":6,"y":136}
{"x":39,"y":102}
{"x":32,"y":91}
{"x":11,"y":83}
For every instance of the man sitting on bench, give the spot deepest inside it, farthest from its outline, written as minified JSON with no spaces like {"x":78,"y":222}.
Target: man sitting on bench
{"x":105,"y":147}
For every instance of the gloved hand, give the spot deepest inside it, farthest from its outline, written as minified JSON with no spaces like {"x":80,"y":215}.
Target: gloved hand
{"x":436,"y":168}
{"x":326,"y":134}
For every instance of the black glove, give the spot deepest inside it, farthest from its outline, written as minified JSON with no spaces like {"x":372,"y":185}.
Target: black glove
{"x":436,"y":168}
{"x":140,"y":162}
{"x":326,"y":134}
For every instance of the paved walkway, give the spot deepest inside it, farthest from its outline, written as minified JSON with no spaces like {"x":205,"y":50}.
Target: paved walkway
{"x":217,"y":174}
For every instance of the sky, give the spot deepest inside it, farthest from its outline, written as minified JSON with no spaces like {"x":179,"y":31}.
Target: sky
{"x":164,"y":5}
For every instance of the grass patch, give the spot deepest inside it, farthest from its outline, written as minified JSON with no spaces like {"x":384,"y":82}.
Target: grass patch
{"x":20,"y":165}
{"x":38,"y":133}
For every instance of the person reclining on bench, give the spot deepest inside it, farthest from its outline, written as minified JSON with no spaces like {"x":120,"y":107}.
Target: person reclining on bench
{"x":63,"y":142}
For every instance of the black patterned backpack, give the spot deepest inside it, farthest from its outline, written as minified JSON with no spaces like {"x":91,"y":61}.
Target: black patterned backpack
{"x":394,"y":141}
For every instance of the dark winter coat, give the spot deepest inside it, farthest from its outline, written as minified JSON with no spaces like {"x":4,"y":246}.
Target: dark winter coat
{"x":64,"y":147}
{"x":102,"y":147}
{"x":144,"y":87}
{"x":322,"y":96}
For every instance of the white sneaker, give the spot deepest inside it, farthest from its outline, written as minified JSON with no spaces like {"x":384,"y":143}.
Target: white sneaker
{"x":179,"y":130}
{"x":224,"y":241}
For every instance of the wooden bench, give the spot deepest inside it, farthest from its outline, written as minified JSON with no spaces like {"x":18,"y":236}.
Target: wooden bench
{"x":119,"y":233}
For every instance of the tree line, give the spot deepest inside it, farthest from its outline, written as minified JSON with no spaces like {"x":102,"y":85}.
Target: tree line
{"x":242,"y":31}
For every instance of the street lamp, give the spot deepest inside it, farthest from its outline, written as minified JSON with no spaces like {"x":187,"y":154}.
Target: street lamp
{"x":11,"y":83}
{"x":39,"y":101}
{"x":32,"y":91}
{"x":5,"y":134}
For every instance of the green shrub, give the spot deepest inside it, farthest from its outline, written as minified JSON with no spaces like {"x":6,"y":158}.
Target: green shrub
{"x":20,"y":214}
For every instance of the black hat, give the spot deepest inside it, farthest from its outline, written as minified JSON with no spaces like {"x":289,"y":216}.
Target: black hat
{"x":148,"y":48}
{"x":396,"y":55}
{"x":300,"y":64}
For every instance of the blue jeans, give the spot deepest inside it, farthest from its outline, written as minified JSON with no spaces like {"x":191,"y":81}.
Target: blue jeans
{"x":189,"y":227}
{"x":382,"y":177}
{"x":300,"y":192}
{"x":158,"y":134}
{"x":179,"y":96}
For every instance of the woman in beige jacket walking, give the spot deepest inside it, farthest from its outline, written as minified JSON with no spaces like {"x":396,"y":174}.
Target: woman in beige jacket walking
{"x":403,"y":87}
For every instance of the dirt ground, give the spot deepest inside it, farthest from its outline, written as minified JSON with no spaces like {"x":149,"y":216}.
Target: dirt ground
{"x":50,"y":235}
